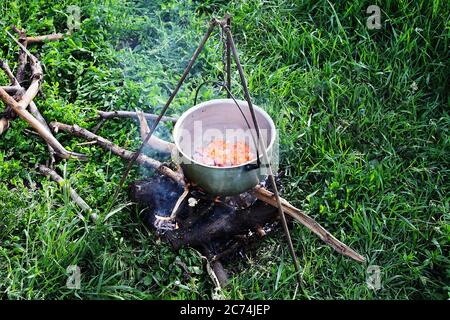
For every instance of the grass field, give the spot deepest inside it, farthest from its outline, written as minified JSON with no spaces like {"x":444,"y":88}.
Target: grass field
{"x":363,"y":118}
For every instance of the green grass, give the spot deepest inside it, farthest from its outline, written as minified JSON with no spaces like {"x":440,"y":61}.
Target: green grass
{"x":363,"y":120}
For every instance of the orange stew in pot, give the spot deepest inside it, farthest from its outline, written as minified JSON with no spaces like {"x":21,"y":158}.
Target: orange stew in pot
{"x":224,"y":154}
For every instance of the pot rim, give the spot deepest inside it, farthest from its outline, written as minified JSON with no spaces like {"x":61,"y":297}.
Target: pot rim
{"x":201,"y":105}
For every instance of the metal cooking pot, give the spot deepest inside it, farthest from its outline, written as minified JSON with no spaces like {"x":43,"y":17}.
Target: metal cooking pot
{"x":222,"y":119}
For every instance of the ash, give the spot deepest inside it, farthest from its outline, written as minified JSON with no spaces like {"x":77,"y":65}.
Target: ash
{"x":218,"y":226}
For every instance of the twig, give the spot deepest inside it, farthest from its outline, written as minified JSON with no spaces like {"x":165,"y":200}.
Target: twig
{"x":73,"y":194}
{"x":121,"y":152}
{"x":215,"y":270}
{"x":11,"y":89}
{"x":20,"y":72}
{"x":130,"y":114}
{"x":98,"y":126}
{"x":45,"y":38}
{"x":4,"y":65}
{"x":14,"y":88}
{"x":179,"y":202}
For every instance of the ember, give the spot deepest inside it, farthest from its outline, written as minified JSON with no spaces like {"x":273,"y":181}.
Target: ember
{"x":220,"y":153}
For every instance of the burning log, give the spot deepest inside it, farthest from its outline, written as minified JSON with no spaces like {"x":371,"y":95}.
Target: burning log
{"x":207,"y":221}
{"x":205,"y":224}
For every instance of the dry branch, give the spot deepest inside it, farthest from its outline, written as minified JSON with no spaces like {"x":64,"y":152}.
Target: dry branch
{"x":24,"y":98}
{"x":36,"y":113}
{"x":11,"y":89}
{"x":20,"y":72}
{"x":4,"y":65}
{"x":33,"y":89}
{"x":40,"y":129}
{"x":4,"y":125}
{"x":121,"y":152}
{"x":268,"y":197}
{"x":44,"y":38}
{"x":14,"y":88}
{"x":131,"y":114}
{"x":73,"y":194}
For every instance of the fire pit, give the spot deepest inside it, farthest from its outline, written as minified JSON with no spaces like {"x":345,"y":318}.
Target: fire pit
{"x":222,"y":121}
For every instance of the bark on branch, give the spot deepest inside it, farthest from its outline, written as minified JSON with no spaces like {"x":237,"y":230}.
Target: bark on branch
{"x":45,"y":38}
{"x":4,"y":65}
{"x":121,"y":152}
{"x":20,"y":72}
{"x":36,"y":125}
{"x":131,"y":114}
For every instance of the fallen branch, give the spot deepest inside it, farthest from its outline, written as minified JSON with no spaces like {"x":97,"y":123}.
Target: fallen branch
{"x":44,"y":38}
{"x":11,"y":89}
{"x":268,"y":197}
{"x":20,"y":72}
{"x":36,"y":125}
{"x":73,"y":194}
{"x":33,"y":89}
{"x":121,"y":152}
{"x":4,"y":65}
{"x":131,"y":114}
{"x":4,"y":125}
{"x":36,"y":113}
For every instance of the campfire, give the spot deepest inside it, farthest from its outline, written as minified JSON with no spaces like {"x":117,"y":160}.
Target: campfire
{"x":216,"y":202}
